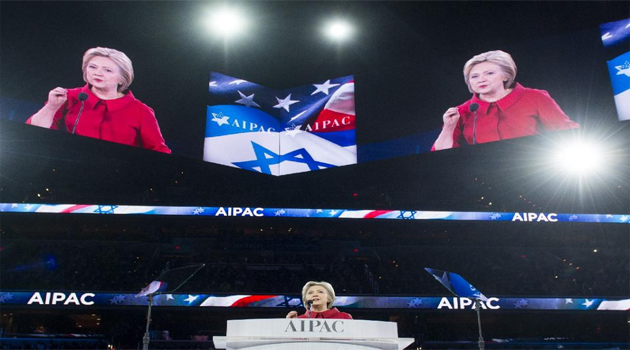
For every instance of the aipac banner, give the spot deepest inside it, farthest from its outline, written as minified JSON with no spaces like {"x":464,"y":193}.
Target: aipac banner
{"x":255,"y":128}
{"x":98,"y":299}
{"x":320,"y":213}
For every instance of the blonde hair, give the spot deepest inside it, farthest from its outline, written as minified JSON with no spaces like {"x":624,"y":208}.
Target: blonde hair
{"x":327,"y":286}
{"x":498,"y":57}
{"x":120,"y":59}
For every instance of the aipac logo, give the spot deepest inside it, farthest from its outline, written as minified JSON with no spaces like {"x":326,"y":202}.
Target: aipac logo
{"x":61,"y":298}
{"x":229,"y":211}
{"x":463,"y":303}
{"x":315,"y":326}
{"x":222,"y":119}
{"x":624,"y":69}
{"x":531,"y":217}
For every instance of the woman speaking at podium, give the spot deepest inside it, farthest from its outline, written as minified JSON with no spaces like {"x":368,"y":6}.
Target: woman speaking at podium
{"x":104,"y":108}
{"x":500,"y":108}
{"x":318,"y":298}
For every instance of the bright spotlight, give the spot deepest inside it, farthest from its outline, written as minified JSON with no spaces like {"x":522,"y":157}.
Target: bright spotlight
{"x":579,"y":157}
{"x":339,"y":30}
{"x":226,"y":22}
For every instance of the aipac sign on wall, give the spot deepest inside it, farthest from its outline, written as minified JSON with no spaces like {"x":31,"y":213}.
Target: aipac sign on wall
{"x":307,"y":128}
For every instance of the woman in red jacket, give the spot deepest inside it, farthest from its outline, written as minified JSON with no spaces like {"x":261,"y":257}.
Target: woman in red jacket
{"x":318,"y":298}
{"x":104,"y":108}
{"x":504,"y":108}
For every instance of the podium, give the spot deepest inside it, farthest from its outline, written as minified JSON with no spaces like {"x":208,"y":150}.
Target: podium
{"x":311,"y":334}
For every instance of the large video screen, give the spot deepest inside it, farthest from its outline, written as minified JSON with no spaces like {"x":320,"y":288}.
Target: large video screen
{"x":428,"y":89}
{"x":278,"y":133}
{"x":616,"y":39}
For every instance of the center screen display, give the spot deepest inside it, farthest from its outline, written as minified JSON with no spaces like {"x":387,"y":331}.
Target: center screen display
{"x":277,"y":133}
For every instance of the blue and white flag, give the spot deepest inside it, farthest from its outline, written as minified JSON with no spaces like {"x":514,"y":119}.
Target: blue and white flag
{"x":456,"y":284}
{"x":619,"y":70}
{"x":301,"y":129}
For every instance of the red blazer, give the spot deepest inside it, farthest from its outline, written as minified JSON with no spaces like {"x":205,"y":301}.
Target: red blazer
{"x":332,"y":313}
{"x":522,"y":112}
{"x":124,"y":120}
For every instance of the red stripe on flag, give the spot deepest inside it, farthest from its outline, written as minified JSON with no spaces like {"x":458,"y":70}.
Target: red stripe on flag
{"x":250,"y":299}
{"x":74,"y":207}
{"x":376,"y":213}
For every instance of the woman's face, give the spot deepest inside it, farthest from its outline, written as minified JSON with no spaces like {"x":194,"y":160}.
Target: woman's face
{"x":103,"y":74}
{"x":319,"y":296}
{"x":487,"y":79}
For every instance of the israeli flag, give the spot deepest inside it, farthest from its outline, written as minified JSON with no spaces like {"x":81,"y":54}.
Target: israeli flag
{"x":456,"y":284}
{"x":619,"y":70}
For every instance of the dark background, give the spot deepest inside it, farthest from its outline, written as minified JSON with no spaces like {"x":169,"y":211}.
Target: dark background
{"x":407,"y":58}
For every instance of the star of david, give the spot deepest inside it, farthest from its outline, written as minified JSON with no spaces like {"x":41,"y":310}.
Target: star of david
{"x":416,"y":302}
{"x":106,"y":209}
{"x":287,"y":301}
{"x":407,"y":214}
{"x":117,"y":299}
{"x":521,"y":303}
{"x":266,"y":158}
{"x":5,"y":296}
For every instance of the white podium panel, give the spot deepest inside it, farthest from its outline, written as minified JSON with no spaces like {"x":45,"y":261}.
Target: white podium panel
{"x":311,"y":334}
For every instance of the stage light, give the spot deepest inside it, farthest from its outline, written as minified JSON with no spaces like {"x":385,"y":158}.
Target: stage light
{"x":578,"y":157}
{"x":339,"y":30}
{"x":226,"y":22}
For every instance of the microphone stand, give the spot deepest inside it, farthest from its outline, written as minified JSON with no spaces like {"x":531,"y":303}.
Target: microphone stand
{"x":146,"y":339}
{"x":481,"y":342}
{"x":475,"y":129}
{"x":473,"y":108}
{"x":462,"y":288}
{"x":82,"y":97}
{"x":184,"y":274}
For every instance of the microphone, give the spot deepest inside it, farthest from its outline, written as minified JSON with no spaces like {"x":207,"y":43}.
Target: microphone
{"x":82,"y":97}
{"x":309,"y":304}
{"x":473,"y":108}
